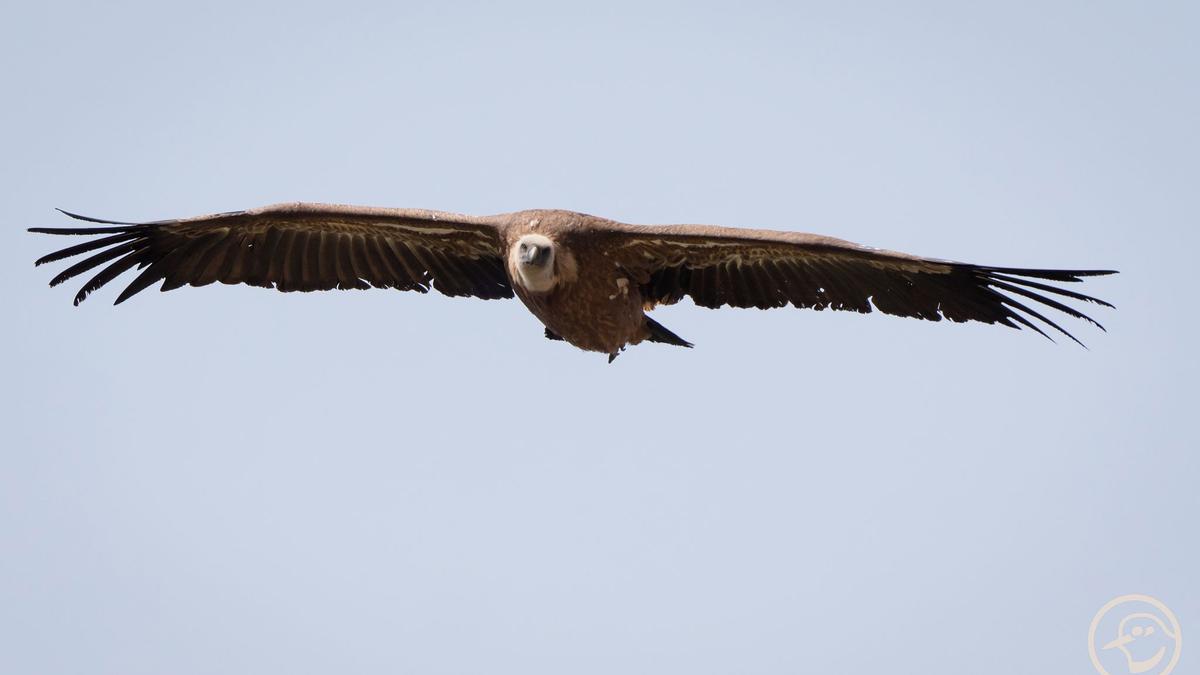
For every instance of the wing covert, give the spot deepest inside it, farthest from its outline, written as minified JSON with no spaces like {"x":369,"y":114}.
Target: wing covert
{"x":295,"y":247}
{"x":718,"y":266}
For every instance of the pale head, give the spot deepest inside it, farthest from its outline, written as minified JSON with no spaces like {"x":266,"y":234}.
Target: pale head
{"x":533,"y":257}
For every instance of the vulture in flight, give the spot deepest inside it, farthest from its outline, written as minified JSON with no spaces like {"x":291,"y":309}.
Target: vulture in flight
{"x":589,"y":280}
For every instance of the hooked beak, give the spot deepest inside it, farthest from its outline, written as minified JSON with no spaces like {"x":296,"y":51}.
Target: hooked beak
{"x":529,"y":254}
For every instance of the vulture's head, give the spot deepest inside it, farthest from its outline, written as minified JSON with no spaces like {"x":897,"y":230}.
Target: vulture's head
{"x":533,"y":257}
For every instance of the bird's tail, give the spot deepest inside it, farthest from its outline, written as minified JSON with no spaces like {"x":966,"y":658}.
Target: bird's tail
{"x":659,"y":333}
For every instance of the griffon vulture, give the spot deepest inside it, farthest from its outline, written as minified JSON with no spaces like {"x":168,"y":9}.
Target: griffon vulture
{"x":589,"y":280}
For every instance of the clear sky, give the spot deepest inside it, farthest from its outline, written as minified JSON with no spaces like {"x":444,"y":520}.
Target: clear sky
{"x":231,"y":480}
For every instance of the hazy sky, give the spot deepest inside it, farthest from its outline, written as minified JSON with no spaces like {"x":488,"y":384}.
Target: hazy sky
{"x":231,"y":480}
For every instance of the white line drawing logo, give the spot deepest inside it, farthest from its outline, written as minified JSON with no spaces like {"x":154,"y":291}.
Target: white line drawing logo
{"x":1137,"y":635}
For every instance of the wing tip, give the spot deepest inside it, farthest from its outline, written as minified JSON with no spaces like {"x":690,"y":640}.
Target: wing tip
{"x":90,"y":219}
{"x":1047,"y":273}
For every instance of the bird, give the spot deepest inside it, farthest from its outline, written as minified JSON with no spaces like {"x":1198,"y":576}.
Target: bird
{"x":588,"y":280}
{"x":1147,"y":631}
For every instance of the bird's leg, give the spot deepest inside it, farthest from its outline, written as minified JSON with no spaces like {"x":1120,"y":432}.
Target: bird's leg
{"x":551,"y":335}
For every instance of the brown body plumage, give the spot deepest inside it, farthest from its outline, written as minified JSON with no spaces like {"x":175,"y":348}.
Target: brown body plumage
{"x":592,"y":304}
{"x":588,"y":280}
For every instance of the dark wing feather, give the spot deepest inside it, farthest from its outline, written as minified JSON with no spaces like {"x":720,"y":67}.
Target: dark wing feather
{"x":296,"y":247}
{"x":718,"y":266}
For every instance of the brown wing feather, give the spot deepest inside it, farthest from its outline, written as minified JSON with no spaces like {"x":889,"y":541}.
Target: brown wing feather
{"x":718,"y":266}
{"x":297,"y":247}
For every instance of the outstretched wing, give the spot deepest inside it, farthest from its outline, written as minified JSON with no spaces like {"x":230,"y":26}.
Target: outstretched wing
{"x":295,"y":247}
{"x":718,"y":266}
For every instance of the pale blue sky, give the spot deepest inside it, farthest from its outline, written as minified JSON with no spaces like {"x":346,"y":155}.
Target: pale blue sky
{"x":230,"y":480}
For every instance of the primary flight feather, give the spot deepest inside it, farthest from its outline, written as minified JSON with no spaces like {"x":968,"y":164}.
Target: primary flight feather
{"x":589,"y":280}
